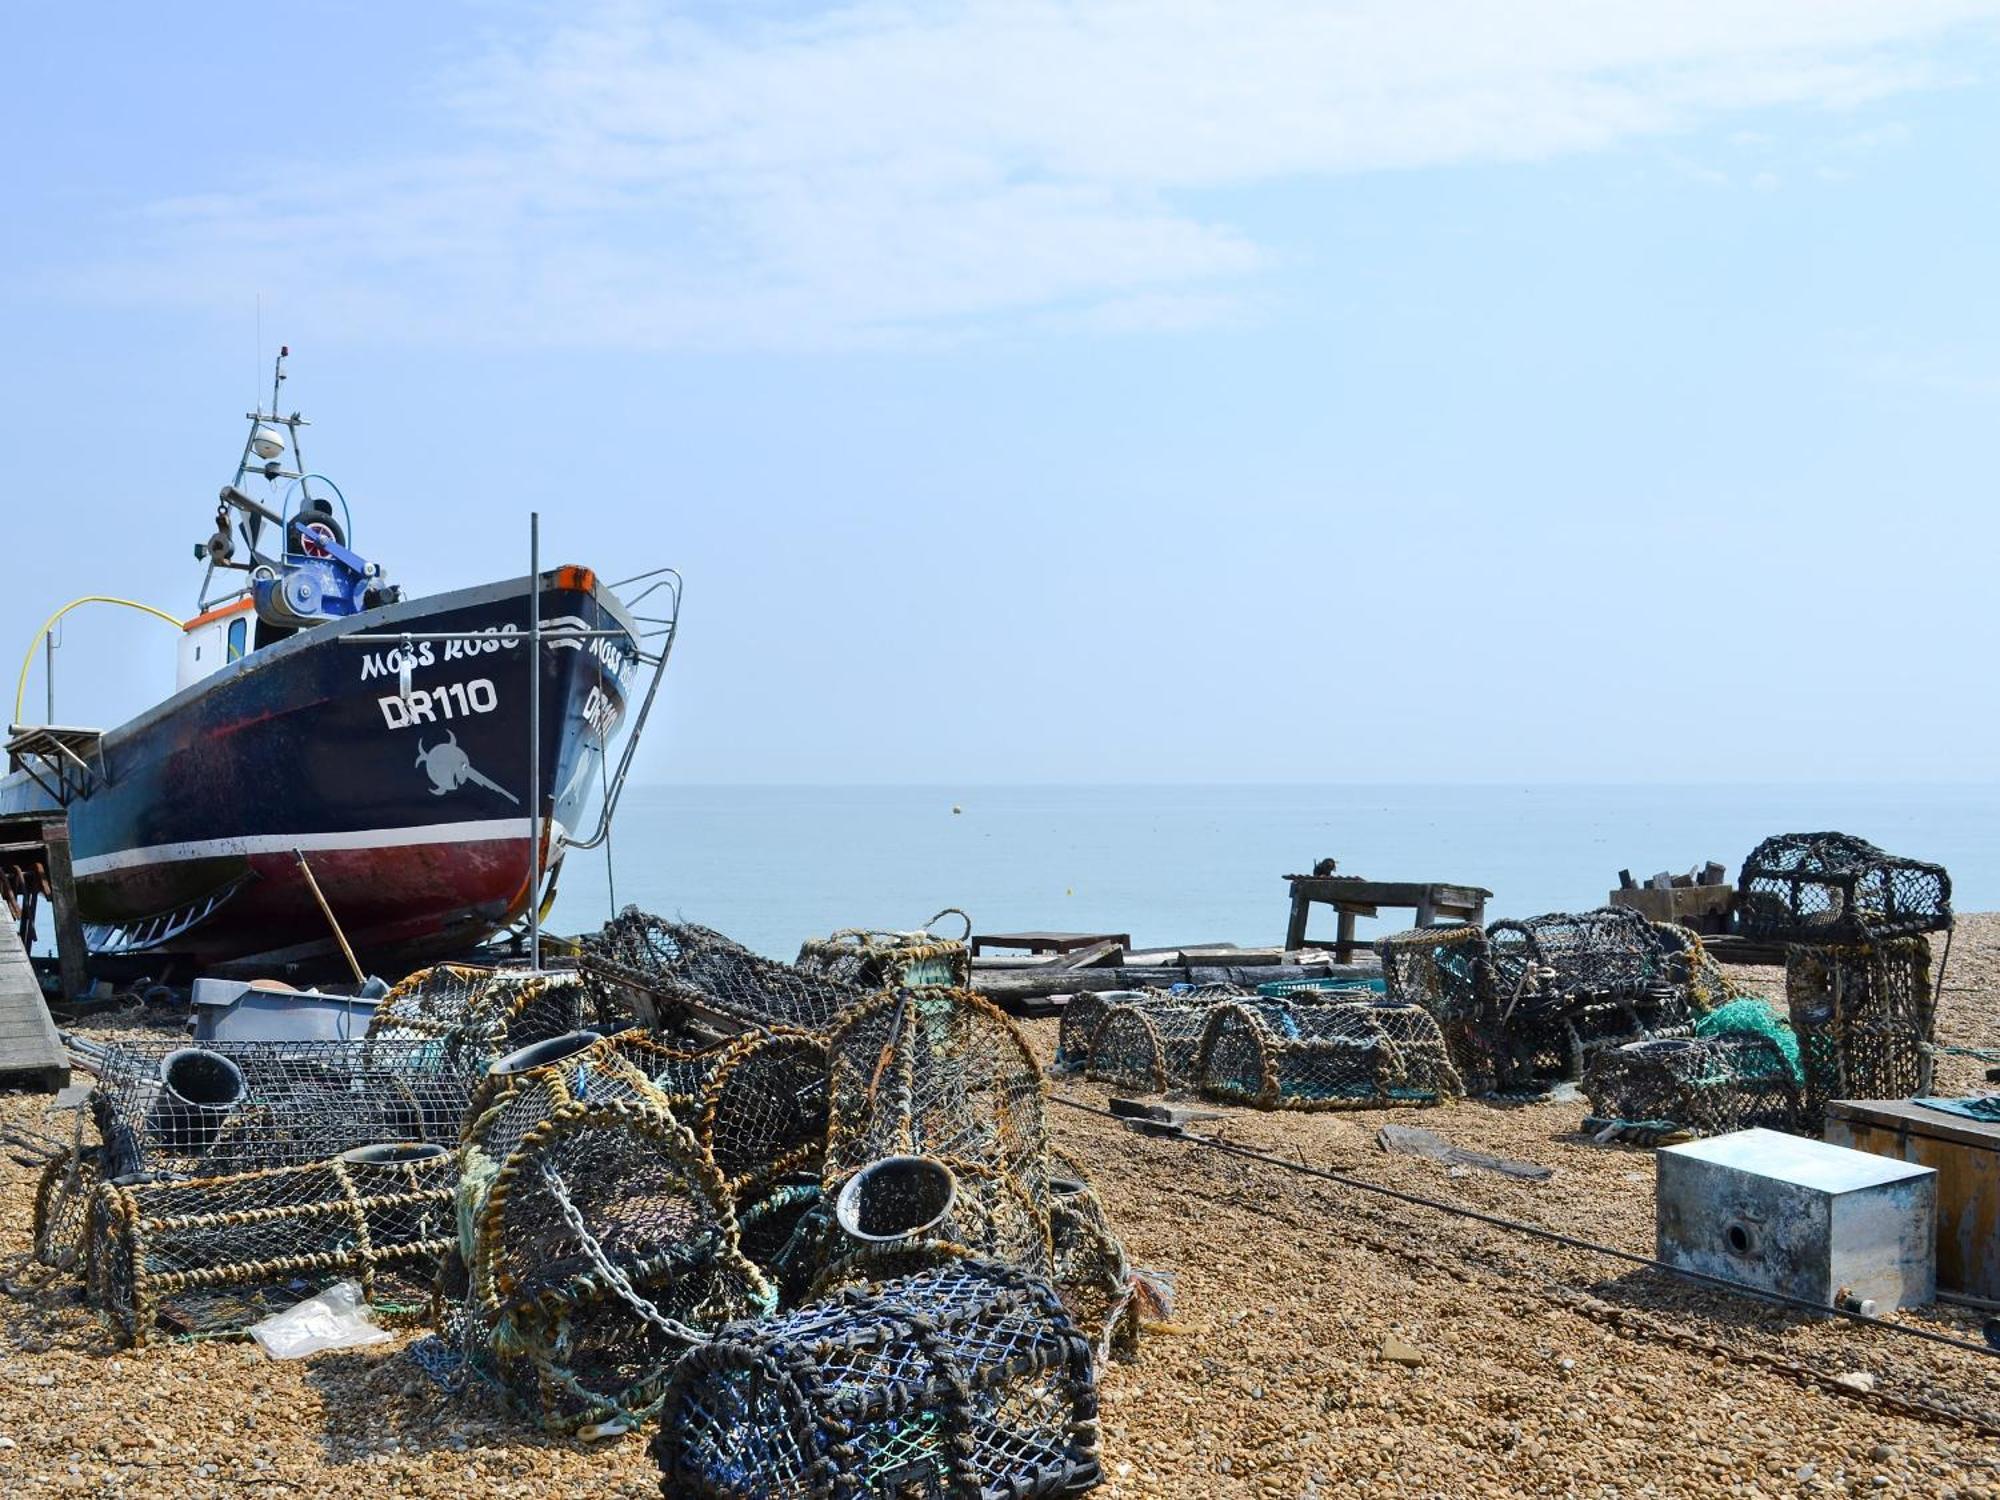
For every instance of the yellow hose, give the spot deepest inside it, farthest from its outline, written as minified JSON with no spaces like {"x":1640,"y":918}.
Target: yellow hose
{"x":21,"y":687}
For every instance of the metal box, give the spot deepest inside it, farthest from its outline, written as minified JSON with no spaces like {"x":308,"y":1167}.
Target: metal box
{"x":1966,"y":1153}
{"x":1797,"y":1216}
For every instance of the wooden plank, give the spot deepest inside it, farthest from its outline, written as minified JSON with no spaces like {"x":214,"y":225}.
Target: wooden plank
{"x":1096,"y":956}
{"x":71,"y":954}
{"x":1295,"y":933}
{"x":1237,"y":958}
{"x":1335,"y":888}
{"x":31,"y":1054}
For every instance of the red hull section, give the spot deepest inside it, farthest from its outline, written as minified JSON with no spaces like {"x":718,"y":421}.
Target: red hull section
{"x":399,"y":907}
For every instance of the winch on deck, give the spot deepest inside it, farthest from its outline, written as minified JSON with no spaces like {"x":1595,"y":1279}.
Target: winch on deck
{"x":319,"y":579}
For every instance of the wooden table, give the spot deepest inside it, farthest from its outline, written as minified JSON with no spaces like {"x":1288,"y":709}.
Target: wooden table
{"x":1351,"y":896}
{"x":1047,"y":942}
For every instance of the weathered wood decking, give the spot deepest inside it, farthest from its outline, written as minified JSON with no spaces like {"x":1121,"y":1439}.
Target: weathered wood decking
{"x":31,"y":1054}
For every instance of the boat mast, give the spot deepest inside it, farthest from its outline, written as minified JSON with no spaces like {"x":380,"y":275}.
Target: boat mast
{"x":252,"y":462}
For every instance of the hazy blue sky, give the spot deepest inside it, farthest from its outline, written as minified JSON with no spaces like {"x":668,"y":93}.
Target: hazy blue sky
{"x":1380,"y":390}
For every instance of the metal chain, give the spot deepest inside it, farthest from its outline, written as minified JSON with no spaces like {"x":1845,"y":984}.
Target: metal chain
{"x":616,"y":1278}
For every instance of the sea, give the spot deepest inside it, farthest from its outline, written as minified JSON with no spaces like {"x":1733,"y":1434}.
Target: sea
{"x":1181,"y":865}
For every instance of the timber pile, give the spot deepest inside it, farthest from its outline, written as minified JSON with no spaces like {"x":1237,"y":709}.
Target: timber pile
{"x":1026,"y":986}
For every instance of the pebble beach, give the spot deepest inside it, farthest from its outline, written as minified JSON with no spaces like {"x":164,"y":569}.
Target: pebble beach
{"x":1323,"y":1341}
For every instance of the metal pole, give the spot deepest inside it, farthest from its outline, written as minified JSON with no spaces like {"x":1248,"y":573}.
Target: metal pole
{"x":535,"y":740}
{"x":49,"y":673}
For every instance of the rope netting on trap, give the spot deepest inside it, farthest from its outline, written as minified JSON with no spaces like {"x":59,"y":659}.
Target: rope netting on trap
{"x":224,"y":1107}
{"x":964,"y":1381}
{"x":672,"y":973}
{"x":1151,"y":1042}
{"x":1863,"y":1014}
{"x":483,"y":1013}
{"x":1835,"y":888}
{"x":1330,"y":1055}
{"x":1443,"y":969}
{"x":597,"y":1242}
{"x":1704,"y":1085}
{"x":1525,"y":1004}
{"x":873,"y":959}
{"x":938,"y":1139}
{"x":1691,"y":965}
{"x":213,"y":1255}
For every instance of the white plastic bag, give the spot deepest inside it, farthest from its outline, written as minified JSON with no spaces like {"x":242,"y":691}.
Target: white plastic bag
{"x":336,"y":1319}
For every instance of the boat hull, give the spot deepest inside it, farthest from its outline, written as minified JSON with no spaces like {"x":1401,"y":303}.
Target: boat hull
{"x":410,"y":799}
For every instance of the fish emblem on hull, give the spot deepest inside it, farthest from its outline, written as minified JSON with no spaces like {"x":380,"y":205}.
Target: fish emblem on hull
{"x":449,"y":768}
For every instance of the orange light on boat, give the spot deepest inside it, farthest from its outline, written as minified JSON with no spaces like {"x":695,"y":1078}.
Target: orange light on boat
{"x":570,"y":576}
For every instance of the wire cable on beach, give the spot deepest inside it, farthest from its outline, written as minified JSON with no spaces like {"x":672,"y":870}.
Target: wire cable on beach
{"x":1519,"y":1226}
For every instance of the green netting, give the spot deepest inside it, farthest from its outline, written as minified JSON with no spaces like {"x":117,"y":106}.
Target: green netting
{"x":1760,"y":1017}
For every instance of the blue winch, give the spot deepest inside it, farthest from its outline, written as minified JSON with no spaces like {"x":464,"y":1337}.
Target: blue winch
{"x":319,"y":579}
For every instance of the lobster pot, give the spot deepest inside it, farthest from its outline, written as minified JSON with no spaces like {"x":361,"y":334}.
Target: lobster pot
{"x":937,"y":1073}
{"x":214,"y":1255}
{"x":675,"y":975}
{"x":784,"y":1232}
{"x":1338,"y":1056}
{"x":1690,"y":965}
{"x":1151,"y":1044}
{"x":596,"y":1242}
{"x":1440,"y":968}
{"x":1610,"y":951}
{"x":763,"y":1112}
{"x":942,"y":1077}
{"x":487,"y":1012}
{"x":892,"y":960}
{"x":966,"y":1381}
{"x":1704,"y":1085}
{"x":1091,"y":1274}
{"x":756,"y":1104}
{"x":63,"y":1195}
{"x":1864,"y":1020}
{"x":231,"y":1107}
{"x":1079,"y":1022}
{"x":1835,"y":888}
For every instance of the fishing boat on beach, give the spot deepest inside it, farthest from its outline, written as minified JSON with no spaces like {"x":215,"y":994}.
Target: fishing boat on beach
{"x":426,"y":762}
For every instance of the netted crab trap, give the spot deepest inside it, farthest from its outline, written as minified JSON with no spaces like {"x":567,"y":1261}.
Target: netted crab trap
{"x":1443,"y":969}
{"x":481,"y":1013}
{"x":1150,"y":1043}
{"x":1078,"y":1025}
{"x":227,"y":1107}
{"x":1693,"y":967}
{"x":597,"y":1241}
{"x":938,"y":1139}
{"x":878,"y":960}
{"x":1564,"y":985}
{"x":966,"y":1381}
{"x":1835,"y":888}
{"x":213,"y":1255}
{"x":1091,"y":1274}
{"x":675,"y":974}
{"x":1863,"y":1014}
{"x":1707,"y":1085}
{"x":1280,"y":1055}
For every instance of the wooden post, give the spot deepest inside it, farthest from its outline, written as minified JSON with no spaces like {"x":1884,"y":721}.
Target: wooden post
{"x":1343,"y":945}
{"x":1295,"y":934}
{"x":71,"y":956}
